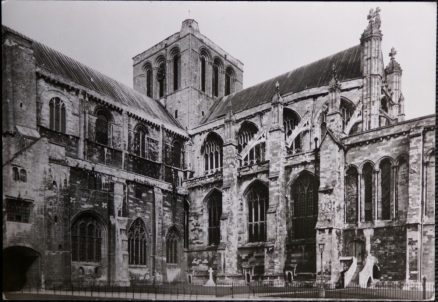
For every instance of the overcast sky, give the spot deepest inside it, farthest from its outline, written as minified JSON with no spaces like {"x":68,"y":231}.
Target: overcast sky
{"x":270,"y":38}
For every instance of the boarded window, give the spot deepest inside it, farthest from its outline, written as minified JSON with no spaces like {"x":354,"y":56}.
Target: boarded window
{"x":137,"y":243}
{"x":367,"y":175}
{"x":386,"y":188}
{"x":214,"y":204}
{"x":403,"y":189}
{"x":258,"y":202}
{"x":351,"y":195}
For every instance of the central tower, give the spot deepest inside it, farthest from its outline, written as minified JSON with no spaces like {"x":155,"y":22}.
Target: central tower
{"x":186,"y":72}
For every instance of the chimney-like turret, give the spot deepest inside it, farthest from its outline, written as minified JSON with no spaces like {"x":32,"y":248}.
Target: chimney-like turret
{"x":393,"y":74}
{"x":372,"y":70}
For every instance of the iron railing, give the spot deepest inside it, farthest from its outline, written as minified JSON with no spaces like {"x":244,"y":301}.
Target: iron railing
{"x":264,"y":290}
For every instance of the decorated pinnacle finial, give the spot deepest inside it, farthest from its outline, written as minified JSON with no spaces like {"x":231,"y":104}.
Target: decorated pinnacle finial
{"x":374,"y":19}
{"x":334,"y":82}
{"x":392,"y":53}
{"x":277,"y":87}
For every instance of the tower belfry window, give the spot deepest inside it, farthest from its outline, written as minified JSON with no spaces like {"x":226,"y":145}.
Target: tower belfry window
{"x":203,"y":70}
{"x":176,"y":71}
{"x":229,"y":79}
{"x":149,"y":82}
{"x":161,"y":77}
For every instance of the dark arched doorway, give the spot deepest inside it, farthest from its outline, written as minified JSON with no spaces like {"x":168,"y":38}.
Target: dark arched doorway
{"x":17,"y":260}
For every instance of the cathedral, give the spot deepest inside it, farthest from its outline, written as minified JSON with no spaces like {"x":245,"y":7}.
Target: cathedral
{"x":313,"y":174}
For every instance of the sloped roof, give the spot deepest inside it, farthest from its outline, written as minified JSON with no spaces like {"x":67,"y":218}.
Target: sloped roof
{"x":313,"y":75}
{"x":61,"y":65}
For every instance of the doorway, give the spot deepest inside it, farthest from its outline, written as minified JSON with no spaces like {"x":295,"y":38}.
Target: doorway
{"x":17,"y":261}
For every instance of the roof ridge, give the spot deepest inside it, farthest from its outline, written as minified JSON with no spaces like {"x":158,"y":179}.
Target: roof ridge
{"x":300,"y":67}
{"x":95,"y":80}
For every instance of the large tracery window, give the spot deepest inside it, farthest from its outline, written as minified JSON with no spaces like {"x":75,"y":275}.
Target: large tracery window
{"x":258,"y":202}
{"x":57,"y":115}
{"x":214,"y":205}
{"x":86,"y":239}
{"x":367,"y":175}
{"x":212,"y":150}
{"x":137,"y":243}
{"x":291,"y":120}
{"x":351,"y":195}
{"x":172,"y":246}
{"x":386,"y":188}
{"x":305,"y":206}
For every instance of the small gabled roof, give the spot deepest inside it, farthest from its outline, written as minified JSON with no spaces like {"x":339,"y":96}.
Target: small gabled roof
{"x":316,"y":74}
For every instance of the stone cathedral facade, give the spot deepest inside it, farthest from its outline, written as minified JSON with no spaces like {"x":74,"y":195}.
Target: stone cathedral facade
{"x":312,"y":174}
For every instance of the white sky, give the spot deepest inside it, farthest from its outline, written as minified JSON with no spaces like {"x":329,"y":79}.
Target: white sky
{"x":270,"y":38}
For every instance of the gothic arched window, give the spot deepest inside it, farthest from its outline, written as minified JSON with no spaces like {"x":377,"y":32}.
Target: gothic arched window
{"x":57,"y":115}
{"x":203,"y":72}
{"x":367,"y":175}
{"x":305,"y":206}
{"x":176,"y":69}
{"x":214,"y":204}
{"x":161,"y":78}
{"x":215,"y":78}
{"x":141,"y":142}
{"x":402,"y":188}
{"x":172,"y":246}
{"x":103,"y":120}
{"x":86,"y":239}
{"x":137,"y":243}
{"x":229,"y":81}
{"x":258,"y":202}
{"x":351,"y":195}
{"x":149,"y":80}
{"x":213,"y":154}
{"x":386,"y":188}
{"x":290,"y":120}
{"x":15,"y":174}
